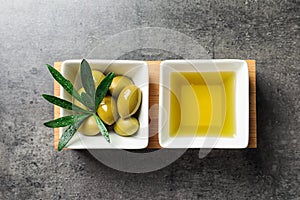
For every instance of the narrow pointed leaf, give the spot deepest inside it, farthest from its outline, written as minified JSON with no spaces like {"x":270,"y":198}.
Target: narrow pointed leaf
{"x":87,"y":101}
{"x":103,"y":88}
{"x":63,"y":103}
{"x":65,"y":121}
{"x":65,"y":83}
{"x":102,"y":128}
{"x":68,"y":134}
{"x":87,"y":78}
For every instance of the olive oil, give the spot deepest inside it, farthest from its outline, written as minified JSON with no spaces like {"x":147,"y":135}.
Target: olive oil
{"x":202,"y":104}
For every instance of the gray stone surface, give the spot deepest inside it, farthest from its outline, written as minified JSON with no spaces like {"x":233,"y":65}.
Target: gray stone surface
{"x":33,"y":33}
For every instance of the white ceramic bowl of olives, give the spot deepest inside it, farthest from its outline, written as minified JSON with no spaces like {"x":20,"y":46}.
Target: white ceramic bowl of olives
{"x":127,"y":121}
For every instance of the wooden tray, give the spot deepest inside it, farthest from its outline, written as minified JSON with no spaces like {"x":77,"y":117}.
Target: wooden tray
{"x":153,"y":99}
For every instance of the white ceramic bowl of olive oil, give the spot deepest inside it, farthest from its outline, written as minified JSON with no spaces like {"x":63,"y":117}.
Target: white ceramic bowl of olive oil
{"x":137,"y":71}
{"x":204,"y":104}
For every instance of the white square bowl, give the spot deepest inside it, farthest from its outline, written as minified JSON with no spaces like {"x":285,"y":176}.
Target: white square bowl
{"x":241,"y":98}
{"x":138,"y":72}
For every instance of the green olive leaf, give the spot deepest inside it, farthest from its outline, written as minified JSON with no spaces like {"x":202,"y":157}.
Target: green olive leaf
{"x":87,"y":101}
{"x":103,"y":88}
{"x":65,"y":121}
{"x":69,"y":133}
{"x":102,"y":128}
{"x":63,"y":103}
{"x":87,"y":78}
{"x":90,"y":98}
{"x":65,"y":83}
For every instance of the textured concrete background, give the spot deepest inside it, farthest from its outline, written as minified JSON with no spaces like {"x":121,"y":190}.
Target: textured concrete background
{"x":33,"y":33}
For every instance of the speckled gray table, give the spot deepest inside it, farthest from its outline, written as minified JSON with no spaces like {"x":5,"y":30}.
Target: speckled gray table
{"x":34,"y":33}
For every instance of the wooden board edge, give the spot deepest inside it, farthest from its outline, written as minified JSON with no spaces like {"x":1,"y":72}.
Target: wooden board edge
{"x":252,"y":105}
{"x":57,"y":66}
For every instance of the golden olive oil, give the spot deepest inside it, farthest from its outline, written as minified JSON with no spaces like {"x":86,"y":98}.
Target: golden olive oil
{"x":202,"y":104}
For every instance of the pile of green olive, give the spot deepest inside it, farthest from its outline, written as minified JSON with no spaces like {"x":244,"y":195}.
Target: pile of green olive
{"x":117,"y":107}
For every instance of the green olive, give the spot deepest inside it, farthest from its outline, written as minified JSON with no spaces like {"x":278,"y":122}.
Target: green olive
{"x":89,"y":126}
{"x":98,"y":77}
{"x":126,"y":127}
{"x":129,"y":101}
{"x":118,"y":84}
{"x":107,"y":110}
{"x":77,"y":103}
